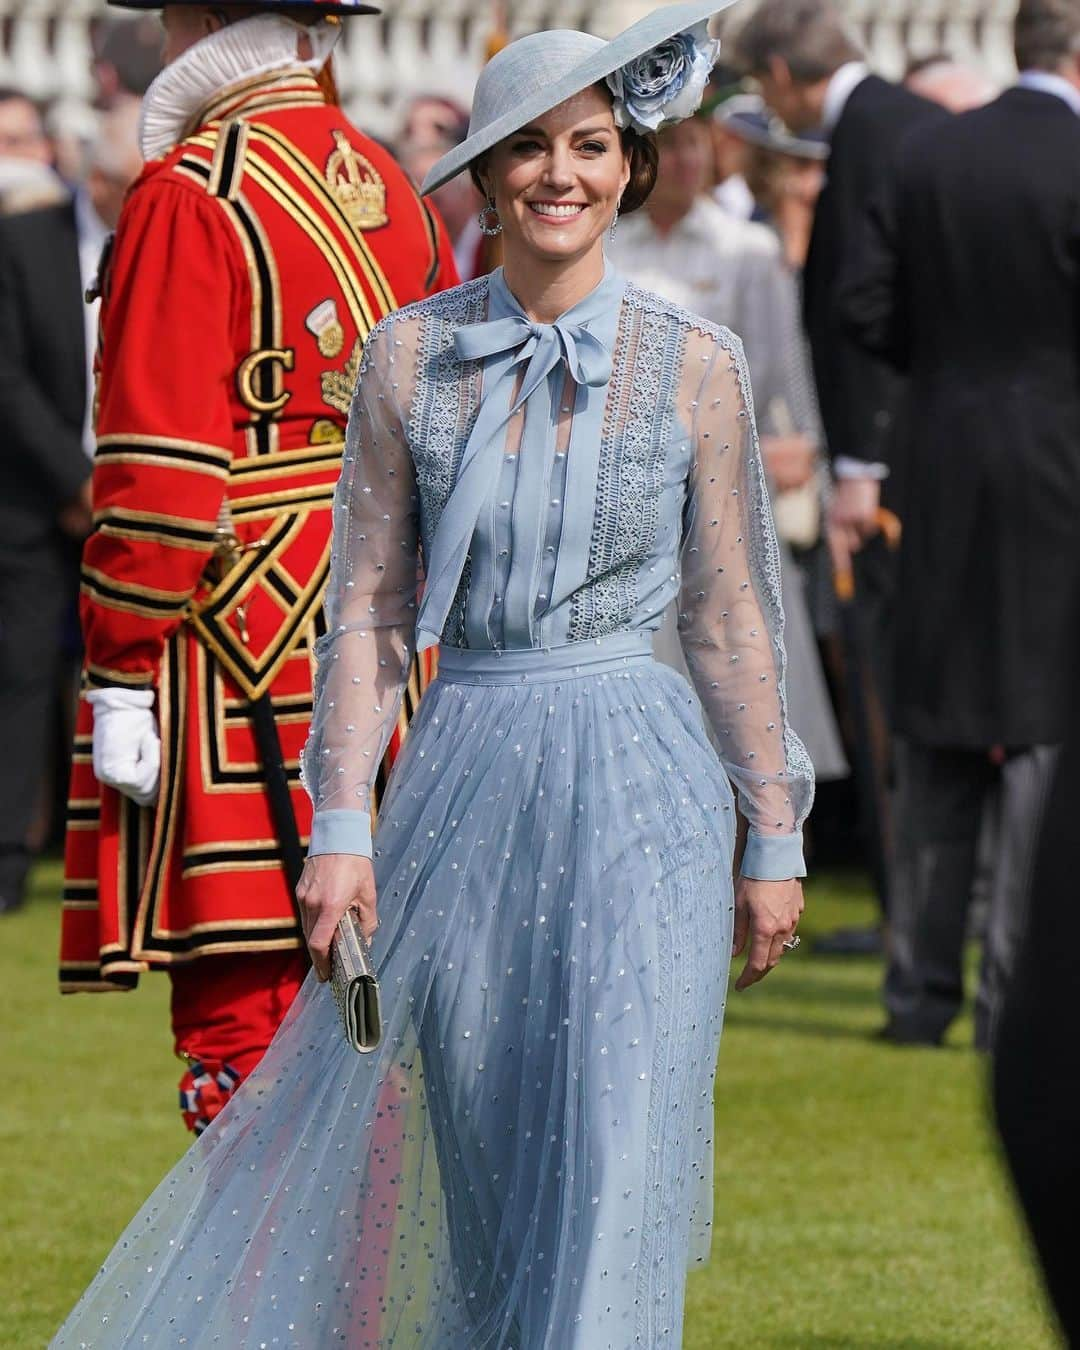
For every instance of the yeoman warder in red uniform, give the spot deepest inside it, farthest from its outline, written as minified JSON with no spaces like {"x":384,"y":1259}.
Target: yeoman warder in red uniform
{"x":263,"y":241}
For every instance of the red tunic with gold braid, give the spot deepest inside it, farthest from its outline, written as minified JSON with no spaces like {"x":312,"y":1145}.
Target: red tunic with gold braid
{"x":249,"y":265}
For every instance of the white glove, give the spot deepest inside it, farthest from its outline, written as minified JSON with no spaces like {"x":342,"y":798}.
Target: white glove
{"x":127,"y":748}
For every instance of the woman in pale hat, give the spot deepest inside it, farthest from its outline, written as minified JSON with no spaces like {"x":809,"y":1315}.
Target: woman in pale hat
{"x":785,"y":171}
{"x":525,"y":1160}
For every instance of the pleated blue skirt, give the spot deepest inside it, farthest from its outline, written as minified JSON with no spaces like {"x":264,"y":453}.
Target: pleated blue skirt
{"x":526,"y":1162}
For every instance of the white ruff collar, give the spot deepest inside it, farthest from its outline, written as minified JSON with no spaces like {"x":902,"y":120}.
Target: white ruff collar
{"x":255,"y":46}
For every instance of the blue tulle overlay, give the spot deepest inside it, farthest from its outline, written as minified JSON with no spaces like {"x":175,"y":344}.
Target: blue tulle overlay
{"x":526,"y":1162}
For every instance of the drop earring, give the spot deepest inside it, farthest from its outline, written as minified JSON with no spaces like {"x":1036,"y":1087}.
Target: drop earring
{"x":487,"y":227}
{"x":615,"y":221}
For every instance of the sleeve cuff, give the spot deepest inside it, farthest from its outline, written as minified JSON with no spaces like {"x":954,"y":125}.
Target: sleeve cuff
{"x":847,"y":466}
{"x":771,"y":857}
{"x":340,"y":832}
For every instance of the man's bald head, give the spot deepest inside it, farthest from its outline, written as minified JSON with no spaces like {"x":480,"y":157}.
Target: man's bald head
{"x":950,"y":83}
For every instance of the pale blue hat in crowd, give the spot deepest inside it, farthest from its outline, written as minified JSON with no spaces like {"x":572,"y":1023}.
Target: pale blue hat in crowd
{"x":538,"y":72}
{"x":750,"y":118}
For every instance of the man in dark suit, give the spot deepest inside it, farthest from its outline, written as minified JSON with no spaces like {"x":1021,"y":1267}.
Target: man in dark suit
{"x":1036,"y":1089}
{"x":970,"y":285}
{"x":814,"y":75}
{"x":47,"y":259}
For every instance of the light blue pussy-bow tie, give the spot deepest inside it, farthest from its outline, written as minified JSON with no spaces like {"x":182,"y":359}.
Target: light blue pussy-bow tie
{"x":506,"y":343}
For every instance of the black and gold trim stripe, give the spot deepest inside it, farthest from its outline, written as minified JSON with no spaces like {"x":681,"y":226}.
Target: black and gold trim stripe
{"x":264,"y":279}
{"x":266,"y":503}
{"x":266,"y":332}
{"x":134,"y":599}
{"x":239,"y":856}
{"x":433,"y":243}
{"x":281,"y":588}
{"x":286,"y":708}
{"x":209,"y":619}
{"x":115,"y":969}
{"x":136,"y":825}
{"x":82,"y":753}
{"x":105,"y":677}
{"x":276,"y":88}
{"x":183,"y":167}
{"x":255,"y":676}
{"x":222,"y":774}
{"x":84,"y":813}
{"x":227,"y":168}
{"x":283,"y":462}
{"x":176,"y":532}
{"x":80,"y":895}
{"x":241,"y":574}
{"x":95,"y":978}
{"x":199,"y":166}
{"x":267,"y":935}
{"x":172,"y":720}
{"x":164,"y":451}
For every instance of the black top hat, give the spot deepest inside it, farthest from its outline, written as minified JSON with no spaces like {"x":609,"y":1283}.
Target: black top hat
{"x":327,"y":7}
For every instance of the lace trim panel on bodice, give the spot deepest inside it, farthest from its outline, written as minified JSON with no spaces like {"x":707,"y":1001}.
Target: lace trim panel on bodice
{"x":443,"y":409}
{"x":637,"y":428}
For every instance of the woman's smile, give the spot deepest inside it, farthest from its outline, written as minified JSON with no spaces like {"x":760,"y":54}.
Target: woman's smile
{"x":557,"y":212}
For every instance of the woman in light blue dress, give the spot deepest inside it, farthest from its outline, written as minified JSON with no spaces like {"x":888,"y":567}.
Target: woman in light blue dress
{"x":526,"y":1161}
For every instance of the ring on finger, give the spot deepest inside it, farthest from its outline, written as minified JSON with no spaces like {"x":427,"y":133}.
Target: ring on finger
{"x":794,"y":941}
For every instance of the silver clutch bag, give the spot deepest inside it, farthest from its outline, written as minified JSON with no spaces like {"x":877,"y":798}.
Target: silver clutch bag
{"x":356,"y":986}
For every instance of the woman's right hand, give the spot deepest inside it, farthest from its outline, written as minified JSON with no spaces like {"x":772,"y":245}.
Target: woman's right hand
{"x":331,"y":884}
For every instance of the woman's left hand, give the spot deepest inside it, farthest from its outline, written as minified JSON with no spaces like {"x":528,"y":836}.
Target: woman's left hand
{"x":766,"y":915}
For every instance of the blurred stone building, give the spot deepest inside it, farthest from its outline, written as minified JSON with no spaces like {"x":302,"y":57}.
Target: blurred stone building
{"x":424,"y":46}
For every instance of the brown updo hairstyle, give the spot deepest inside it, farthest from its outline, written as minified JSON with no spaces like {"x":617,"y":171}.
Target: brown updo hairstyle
{"x":644,"y":156}
{"x":638,"y":146}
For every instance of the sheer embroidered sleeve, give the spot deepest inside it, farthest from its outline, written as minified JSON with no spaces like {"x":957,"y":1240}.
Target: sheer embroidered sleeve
{"x":364,"y":659}
{"x":730,"y":615}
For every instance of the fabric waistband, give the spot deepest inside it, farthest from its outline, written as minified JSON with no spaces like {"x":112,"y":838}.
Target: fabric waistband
{"x":536,"y":665}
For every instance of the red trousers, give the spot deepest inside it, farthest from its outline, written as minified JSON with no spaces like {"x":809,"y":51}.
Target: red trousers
{"x":225,"y":1011}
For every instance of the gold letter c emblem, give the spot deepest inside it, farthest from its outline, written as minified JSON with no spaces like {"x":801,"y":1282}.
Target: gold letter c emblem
{"x":245,"y":377}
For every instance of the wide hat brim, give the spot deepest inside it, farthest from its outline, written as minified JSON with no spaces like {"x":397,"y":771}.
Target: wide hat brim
{"x":633,"y":42}
{"x":342,"y":8}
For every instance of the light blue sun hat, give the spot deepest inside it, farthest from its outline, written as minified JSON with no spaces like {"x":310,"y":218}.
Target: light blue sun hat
{"x":656,"y":69}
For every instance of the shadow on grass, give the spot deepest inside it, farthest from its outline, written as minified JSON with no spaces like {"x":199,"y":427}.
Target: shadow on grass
{"x":808,"y":1341}
{"x":830,"y":1031}
{"x":802,"y":1026}
{"x":818,"y":989}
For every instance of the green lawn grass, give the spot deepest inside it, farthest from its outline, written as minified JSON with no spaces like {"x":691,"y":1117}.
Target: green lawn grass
{"x":860,"y":1201}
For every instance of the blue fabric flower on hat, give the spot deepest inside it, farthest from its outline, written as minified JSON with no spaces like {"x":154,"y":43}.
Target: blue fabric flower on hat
{"x":665,"y":84}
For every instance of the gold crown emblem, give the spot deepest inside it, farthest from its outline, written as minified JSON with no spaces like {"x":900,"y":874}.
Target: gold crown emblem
{"x":356,"y":184}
